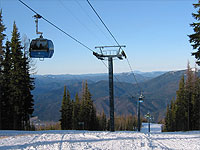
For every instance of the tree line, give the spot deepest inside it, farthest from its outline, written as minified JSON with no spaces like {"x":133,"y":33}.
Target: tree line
{"x":183,"y":113}
{"x":81,"y":114}
{"x":16,"y":100}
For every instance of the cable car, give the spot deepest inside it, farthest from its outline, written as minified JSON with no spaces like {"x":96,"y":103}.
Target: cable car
{"x":41,"y":48}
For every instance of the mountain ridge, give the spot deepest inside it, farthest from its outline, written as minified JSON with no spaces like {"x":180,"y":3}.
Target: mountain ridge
{"x":158,"y":92}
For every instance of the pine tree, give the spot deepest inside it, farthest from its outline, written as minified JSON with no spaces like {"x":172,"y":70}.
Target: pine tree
{"x":195,"y":117}
{"x":21,"y":84}
{"x":28,"y":86}
{"x":183,"y":114}
{"x":170,"y":121}
{"x":2,"y":37}
{"x":181,"y":110}
{"x":195,"y":38}
{"x":6,"y":106}
{"x":16,"y":80}
{"x":63,"y":111}
{"x":188,"y":95}
{"x":87,"y":110}
{"x":167,"y":119}
{"x":102,"y":122}
{"x":94,"y":121}
{"x":75,"y":113}
{"x":66,"y":111}
{"x":69,"y":112}
{"x":173,"y":108}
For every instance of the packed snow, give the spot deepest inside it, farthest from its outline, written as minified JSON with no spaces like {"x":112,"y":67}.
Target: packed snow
{"x":100,"y":140}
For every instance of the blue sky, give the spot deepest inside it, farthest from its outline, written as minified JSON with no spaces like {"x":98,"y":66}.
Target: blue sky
{"x":154,"y":32}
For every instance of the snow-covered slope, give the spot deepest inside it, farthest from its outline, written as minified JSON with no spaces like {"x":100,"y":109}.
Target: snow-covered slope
{"x":153,"y":127}
{"x":78,"y":140}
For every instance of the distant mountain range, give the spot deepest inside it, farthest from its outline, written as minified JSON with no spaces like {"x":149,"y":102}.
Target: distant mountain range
{"x":122,"y":77}
{"x":159,"y":88}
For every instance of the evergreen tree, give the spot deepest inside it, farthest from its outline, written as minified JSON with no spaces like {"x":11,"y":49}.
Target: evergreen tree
{"x":87,"y":110}
{"x":75,"y":113}
{"x":28,"y":86}
{"x":6,"y":105}
{"x":63,"y":111}
{"x":195,"y":38}
{"x":16,"y":80}
{"x":20,"y":85}
{"x":102,"y":122}
{"x":66,"y":111}
{"x":69,"y":112}
{"x":167,"y":119}
{"x":170,"y":117}
{"x":184,"y":113}
{"x":2,"y":37}
{"x":195,"y":116}
{"x":181,"y":110}
{"x":188,"y":94}
{"x":94,"y":121}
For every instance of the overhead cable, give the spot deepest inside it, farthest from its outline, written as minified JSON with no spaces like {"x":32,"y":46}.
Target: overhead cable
{"x":116,"y":42}
{"x":69,"y":34}
{"x":90,"y":18}
{"x":102,"y":22}
{"x":118,"y":81}
{"x":57,"y":27}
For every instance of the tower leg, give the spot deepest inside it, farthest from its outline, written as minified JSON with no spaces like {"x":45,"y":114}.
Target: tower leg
{"x":111,"y":94}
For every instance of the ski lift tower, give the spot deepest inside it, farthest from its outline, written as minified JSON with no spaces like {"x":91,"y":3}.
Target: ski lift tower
{"x":140,"y":100}
{"x":110,"y":52}
{"x":149,"y":118}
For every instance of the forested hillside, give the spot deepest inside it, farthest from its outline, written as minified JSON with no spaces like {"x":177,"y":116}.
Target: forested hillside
{"x":158,"y":92}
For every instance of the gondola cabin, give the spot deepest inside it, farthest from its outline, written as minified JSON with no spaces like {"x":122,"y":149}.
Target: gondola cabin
{"x":41,"y":48}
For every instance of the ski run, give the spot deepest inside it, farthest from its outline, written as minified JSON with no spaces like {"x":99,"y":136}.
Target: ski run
{"x":100,"y":140}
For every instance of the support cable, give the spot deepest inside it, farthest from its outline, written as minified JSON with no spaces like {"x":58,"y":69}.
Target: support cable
{"x":78,"y":20}
{"x":56,"y":27}
{"x":134,"y":75}
{"x":118,"y":80}
{"x":102,"y":22}
{"x":72,"y":36}
{"x":90,"y":18}
{"x":117,"y":44}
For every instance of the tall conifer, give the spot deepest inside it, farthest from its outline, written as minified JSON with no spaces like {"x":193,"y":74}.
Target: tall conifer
{"x":2,"y":37}
{"x":6,"y":105}
{"x":63,"y":111}
{"x":185,"y":111}
{"x":16,"y":80}
{"x":189,"y":86}
{"x":28,"y":86}
{"x":66,"y":111}
{"x":69,"y":112}
{"x":21,"y":84}
{"x":181,"y":103}
{"x":195,"y":38}
{"x":76,"y":113}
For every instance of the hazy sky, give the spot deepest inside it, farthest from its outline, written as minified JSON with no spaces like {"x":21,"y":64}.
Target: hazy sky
{"x":154,"y":32}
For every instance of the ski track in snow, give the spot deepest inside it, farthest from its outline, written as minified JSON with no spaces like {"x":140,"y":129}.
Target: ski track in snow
{"x":97,"y":140}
